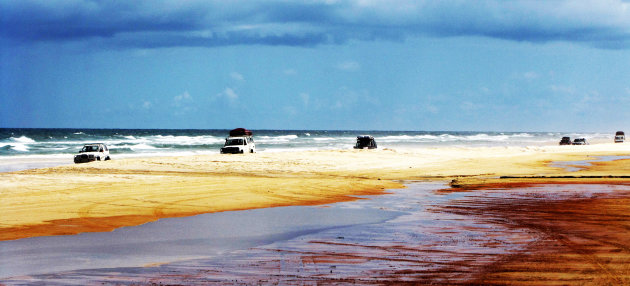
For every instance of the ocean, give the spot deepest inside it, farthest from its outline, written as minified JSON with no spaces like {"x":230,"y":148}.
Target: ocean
{"x":49,"y":147}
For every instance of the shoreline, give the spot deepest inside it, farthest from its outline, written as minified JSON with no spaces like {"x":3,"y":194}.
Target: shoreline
{"x":103,"y":196}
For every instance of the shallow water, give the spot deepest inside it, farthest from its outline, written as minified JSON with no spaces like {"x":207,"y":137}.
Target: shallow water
{"x":12,"y":164}
{"x":413,"y":234}
{"x":176,"y":238}
{"x":574,"y":166}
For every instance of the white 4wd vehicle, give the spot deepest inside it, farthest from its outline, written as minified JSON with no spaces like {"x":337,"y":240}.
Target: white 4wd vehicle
{"x":240,"y":141}
{"x":239,"y":145}
{"x":92,"y":152}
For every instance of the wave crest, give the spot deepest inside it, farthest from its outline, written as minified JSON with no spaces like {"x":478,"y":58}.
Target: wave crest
{"x":22,"y":139}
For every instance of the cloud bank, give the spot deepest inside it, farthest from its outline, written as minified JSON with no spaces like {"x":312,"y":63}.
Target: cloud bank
{"x":174,"y":23}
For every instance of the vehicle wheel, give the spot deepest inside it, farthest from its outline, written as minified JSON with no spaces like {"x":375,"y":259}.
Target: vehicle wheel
{"x":98,"y":158}
{"x":251,"y":151}
{"x":107,"y":158}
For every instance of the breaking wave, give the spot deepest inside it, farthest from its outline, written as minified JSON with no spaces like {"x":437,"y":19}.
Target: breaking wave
{"x":141,"y":142}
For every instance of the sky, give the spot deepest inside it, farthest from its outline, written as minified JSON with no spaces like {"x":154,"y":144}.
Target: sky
{"x":328,"y":65}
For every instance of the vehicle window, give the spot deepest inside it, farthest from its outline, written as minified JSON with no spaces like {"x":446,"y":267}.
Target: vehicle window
{"x":89,"y":149}
{"x":235,"y":142}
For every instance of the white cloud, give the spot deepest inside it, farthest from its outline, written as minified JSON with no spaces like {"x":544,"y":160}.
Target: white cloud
{"x":289,"y":72}
{"x":237,"y":76}
{"x":431,"y":108}
{"x":230,"y":93}
{"x":349,"y":66}
{"x":587,"y":100}
{"x":531,"y":75}
{"x":348,"y":98}
{"x":305,"y":98}
{"x":469,"y":106}
{"x":290,"y":110}
{"x":184,"y":103}
{"x":563,"y":89}
{"x":146,"y":104}
{"x":182,"y":97}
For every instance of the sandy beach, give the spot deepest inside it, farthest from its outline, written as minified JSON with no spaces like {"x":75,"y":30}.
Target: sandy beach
{"x":102,"y":196}
{"x":527,"y":218}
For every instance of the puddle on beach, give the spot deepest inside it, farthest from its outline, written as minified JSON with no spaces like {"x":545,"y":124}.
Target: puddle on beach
{"x":176,"y":238}
{"x":574,"y":166}
{"x":414,"y":234}
{"x":20,"y":164}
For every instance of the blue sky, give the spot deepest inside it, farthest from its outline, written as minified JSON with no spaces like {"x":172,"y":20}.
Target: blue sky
{"x":368,"y":65}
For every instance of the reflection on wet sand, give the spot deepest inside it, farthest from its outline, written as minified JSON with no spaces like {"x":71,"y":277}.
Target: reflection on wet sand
{"x":548,"y":234}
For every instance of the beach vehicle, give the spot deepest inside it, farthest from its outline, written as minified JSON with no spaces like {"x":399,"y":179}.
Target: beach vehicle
{"x":365,"y":142}
{"x":240,"y":141}
{"x":565,"y":141}
{"x":620,"y":137}
{"x":92,"y":152}
{"x":580,"y":141}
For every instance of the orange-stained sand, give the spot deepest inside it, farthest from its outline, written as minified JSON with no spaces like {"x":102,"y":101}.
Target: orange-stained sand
{"x":101,"y":196}
{"x":582,"y":241}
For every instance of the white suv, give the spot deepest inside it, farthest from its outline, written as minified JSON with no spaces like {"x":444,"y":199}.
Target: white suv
{"x":92,"y":152}
{"x":240,"y":144}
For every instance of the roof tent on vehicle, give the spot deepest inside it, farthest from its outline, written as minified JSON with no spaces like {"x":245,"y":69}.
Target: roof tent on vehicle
{"x":240,"y":132}
{"x":620,"y":133}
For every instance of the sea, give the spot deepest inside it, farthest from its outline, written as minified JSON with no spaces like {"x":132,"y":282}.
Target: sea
{"x":35,"y":147}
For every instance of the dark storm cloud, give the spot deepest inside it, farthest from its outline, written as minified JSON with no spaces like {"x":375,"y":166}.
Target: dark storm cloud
{"x":153,"y":24}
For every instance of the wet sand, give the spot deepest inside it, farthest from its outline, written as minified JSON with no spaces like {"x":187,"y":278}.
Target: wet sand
{"x":581,"y":239}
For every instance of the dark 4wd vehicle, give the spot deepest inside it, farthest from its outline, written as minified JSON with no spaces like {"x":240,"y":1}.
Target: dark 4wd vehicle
{"x":619,"y":137}
{"x":565,"y":141}
{"x":365,"y":142}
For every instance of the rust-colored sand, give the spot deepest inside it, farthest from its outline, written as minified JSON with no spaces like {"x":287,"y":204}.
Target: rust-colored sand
{"x":582,"y":241}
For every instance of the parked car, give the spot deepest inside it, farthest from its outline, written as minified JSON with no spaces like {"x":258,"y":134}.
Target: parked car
{"x":580,"y":141}
{"x":565,"y":141}
{"x":620,"y":137}
{"x":240,"y":141}
{"x":365,"y":142}
{"x":92,"y":152}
